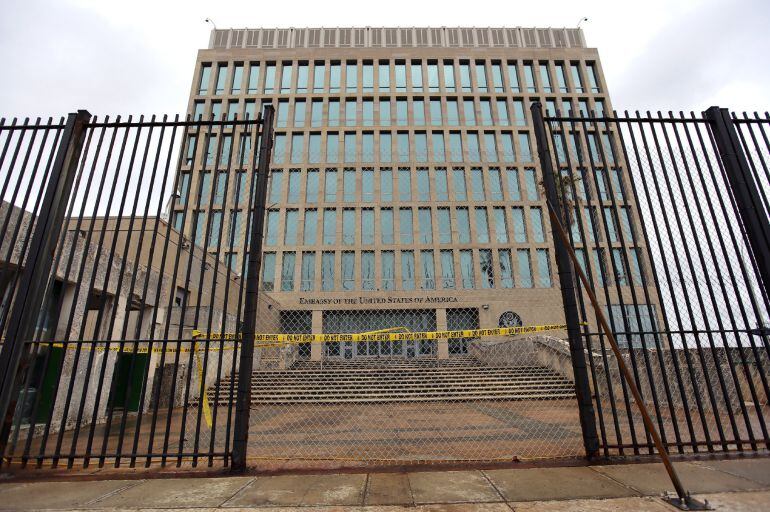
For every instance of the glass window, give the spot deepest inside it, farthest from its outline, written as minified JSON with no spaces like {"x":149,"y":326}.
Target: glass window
{"x":216,"y":111}
{"x":275,"y":186}
{"x":351,"y":77}
{"x":482,"y":225}
{"x":458,"y":182}
{"x":545,"y":78}
{"x":501,"y":229}
{"x":465,"y":77}
{"x":282,"y":114}
{"x":198,"y":110}
{"x":518,"y":113}
{"x":589,"y":214}
{"x":466,"y":268}
{"x":513,"y":77}
{"x":290,"y":227}
{"x":425,"y":224}
{"x":519,"y":228}
{"x":474,"y":152}
{"x":400,"y":77}
{"x":407,"y":270}
{"x":526,"y":150}
{"x":506,"y":268}
{"x":348,"y":226}
{"x":314,"y":148}
{"x":388,"y":262}
{"x":385,"y":112}
{"x":508,"y":150}
{"x":307,"y":273}
{"x":404,"y":184}
{"x":428,"y":270}
{"x":536,"y":217}
{"x":490,"y":147}
{"x":333,"y":113}
{"x":286,"y":78}
{"x":309,"y":227}
{"x":383,"y":76}
{"x":455,"y":147}
{"x":350,"y":112}
{"x":463,"y":225}
{"x":617,"y":186}
{"x":386,"y":147}
{"x":439,"y":152}
{"x":576,"y":81}
{"x":205,"y":78}
{"x":532,"y":192}
{"x":497,"y":77}
{"x":250,"y":111}
{"x":525,"y":268}
{"x":612,"y":229}
{"x":620,"y":269}
{"x":386,"y":225}
{"x":543,"y":268}
{"x":221,"y":77}
{"x":367,"y":77}
{"x":449,"y":76}
{"x":271,"y":236}
{"x":200,"y":227}
{"x":435,"y":113}
{"x":561,"y":79}
{"x":481,"y":77}
{"x":469,"y":111}
{"x":452,"y":113}
{"x":444,"y":226}
{"x":433,"y":77}
{"x":447,"y":270}
{"x":529,"y":78}
{"x":402,"y":114}
{"x":297,"y":148}
{"x":368,"y":112}
{"x":330,"y":185}
{"x":477,"y":184}
{"x":367,"y":226}
{"x":418,"y":111}
{"x":319,"y":75}
{"x":367,"y":270}
{"x":440,"y":179}
{"x":232,"y":110}
{"x":402,"y":146}
{"x":327,"y":271}
{"x":268,"y":271}
{"x":405,"y":222}
{"x":502,"y":112}
{"x":593,"y":82}
{"x":299,"y":113}
{"x":335,"y":77}
{"x":270,"y":78}
{"x":215,"y":229}
{"x":302,"y":77}
{"x":416,"y":77}
{"x":294,"y":179}
{"x":599,"y":264}
{"x":332,"y":147}
{"x":514,"y":191}
{"x":386,"y":185}
{"x":367,"y":185}
{"x":349,"y":185}
{"x":421,"y":147}
{"x":184,"y":188}
{"x":486,"y":268}
{"x":330,"y":226}
{"x":367,"y":147}
{"x":350,"y":146}
{"x":486,"y":112}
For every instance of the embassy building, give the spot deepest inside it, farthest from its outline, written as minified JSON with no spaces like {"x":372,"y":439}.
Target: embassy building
{"x":404,"y":191}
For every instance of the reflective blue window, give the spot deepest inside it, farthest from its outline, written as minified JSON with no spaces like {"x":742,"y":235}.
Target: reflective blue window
{"x":439,"y":152}
{"x":502,"y":113}
{"x":333,"y":113}
{"x":507,"y":148}
{"x":367,"y":226}
{"x":386,"y":226}
{"x":545,"y":78}
{"x":330,"y":226}
{"x":486,"y":268}
{"x":452,"y":113}
{"x":297,"y":148}
{"x":433,"y":78}
{"x":302,"y":78}
{"x":458,"y":182}
{"x":490,"y":147}
{"x":424,"y":222}
{"x":532,"y":192}
{"x":279,"y":148}
{"x":367,"y":270}
{"x":536,"y":217}
{"x":307,"y":273}
{"x":442,"y":190}
{"x":386,"y":185}
{"x":463,"y":225}
{"x":529,"y":78}
{"x":421,"y":147}
{"x":349,"y":185}
{"x":404,"y":184}
{"x":418,"y":111}
{"x":405,"y":222}
{"x":350,"y":112}
{"x":271,"y":235}
{"x":348,"y":226}
{"x":513,"y":78}
{"x":477,"y":184}
{"x":387,"y":260}
{"x":327,"y":271}
{"x":205,"y":78}
{"x":367,"y":78}
{"x":335,"y":77}
{"x":486,"y":112}
{"x":449,"y":77}
{"x":428,"y":270}
{"x":444,"y":226}
{"x":294,"y":179}
{"x":350,"y":146}
{"x":543,"y":268}
{"x":407,"y":270}
{"x":465,"y":77}
{"x":319,"y":75}
{"x":270,"y":78}
{"x":311,"y":189}
{"x":402,"y":113}
{"x":400,"y":72}
{"x":526,"y":150}
{"x":525,"y":268}
{"x":447,"y":270}
{"x":501,"y":229}
{"x":474,"y":152}
{"x":455,"y":147}
{"x":367,"y":147}
{"x":469,"y":111}
{"x":416,"y":77}
{"x":519,"y":228}
{"x":221,"y":76}
{"x":576,"y":80}
{"x":367,"y":109}
{"x":423,"y":185}
{"x":466,"y":268}
{"x":290,"y":227}
{"x":385,"y":112}
{"x":268,"y":271}
{"x":330,"y":185}
{"x":506,"y":268}
{"x":402,"y":146}
{"x":386,"y":147}
{"x":314,"y":148}
{"x":482,"y":225}
{"x":383,"y":76}
{"x":310,"y":227}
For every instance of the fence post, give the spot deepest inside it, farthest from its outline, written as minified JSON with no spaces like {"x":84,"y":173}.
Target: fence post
{"x":756,"y":226}
{"x":566,"y":282}
{"x":37,"y":267}
{"x":246,"y":365}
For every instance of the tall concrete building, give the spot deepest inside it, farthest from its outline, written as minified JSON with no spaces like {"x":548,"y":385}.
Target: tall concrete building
{"x":404,"y":189}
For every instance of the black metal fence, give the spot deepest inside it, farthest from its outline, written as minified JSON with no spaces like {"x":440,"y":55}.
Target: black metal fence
{"x":111,"y":291}
{"x":668,"y":217}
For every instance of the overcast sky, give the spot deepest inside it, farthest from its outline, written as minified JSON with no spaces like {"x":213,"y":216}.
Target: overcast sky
{"x":137,"y":56}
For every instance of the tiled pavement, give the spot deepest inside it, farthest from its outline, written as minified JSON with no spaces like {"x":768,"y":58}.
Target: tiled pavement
{"x":736,"y":484}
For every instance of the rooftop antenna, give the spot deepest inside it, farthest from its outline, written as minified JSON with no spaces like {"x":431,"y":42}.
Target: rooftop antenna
{"x":579,"y":22}
{"x":209,"y":20}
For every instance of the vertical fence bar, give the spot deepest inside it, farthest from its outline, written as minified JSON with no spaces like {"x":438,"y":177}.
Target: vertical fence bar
{"x":34,"y":279}
{"x":744,"y":188}
{"x":567,"y":285}
{"x":243,"y":401}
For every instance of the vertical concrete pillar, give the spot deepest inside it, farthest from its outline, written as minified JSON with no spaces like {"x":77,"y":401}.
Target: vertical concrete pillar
{"x":441,"y":325}
{"x":316,"y":349}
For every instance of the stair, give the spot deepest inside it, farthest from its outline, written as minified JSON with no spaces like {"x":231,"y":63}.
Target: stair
{"x":398,"y":380}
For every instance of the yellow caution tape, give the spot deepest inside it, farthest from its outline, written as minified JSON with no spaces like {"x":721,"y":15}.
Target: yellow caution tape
{"x":381,"y":336}
{"x":206,"y":406}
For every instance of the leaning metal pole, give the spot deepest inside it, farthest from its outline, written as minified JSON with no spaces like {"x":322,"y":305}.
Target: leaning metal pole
{"x":246,"y":365}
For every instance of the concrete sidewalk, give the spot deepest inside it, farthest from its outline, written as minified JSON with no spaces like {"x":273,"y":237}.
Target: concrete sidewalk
{"x":736,"y":484}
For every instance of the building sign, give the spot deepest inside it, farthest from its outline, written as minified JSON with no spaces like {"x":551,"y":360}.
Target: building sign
{"x":356,"y":301}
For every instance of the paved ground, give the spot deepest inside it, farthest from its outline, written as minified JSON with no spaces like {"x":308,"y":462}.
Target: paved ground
{"x":737,"y":484}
